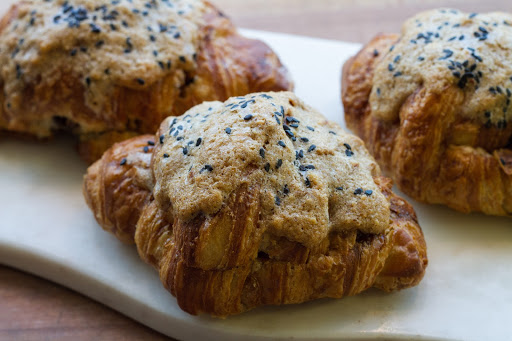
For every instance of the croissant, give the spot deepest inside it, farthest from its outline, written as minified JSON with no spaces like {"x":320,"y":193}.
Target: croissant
{"x":109,"y":70}
{"x":433,"y":107}
{"x":256,"y":201}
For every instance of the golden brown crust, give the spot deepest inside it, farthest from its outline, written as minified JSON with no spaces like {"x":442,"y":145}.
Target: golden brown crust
{"x":119,"y":185}
{"x":229,"y":262}
{"x":226,"y":64}
{"x":432,"y":151}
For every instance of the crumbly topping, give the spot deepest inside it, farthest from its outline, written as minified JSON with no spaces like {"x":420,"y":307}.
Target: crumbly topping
{"x":446,"y":47}
{"x":131,"y":43}
{"x":314,"y":178}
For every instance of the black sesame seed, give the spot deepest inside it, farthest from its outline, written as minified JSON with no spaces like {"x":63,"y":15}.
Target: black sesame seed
{"x":185,"y":151}
{"x":286,"y":190}
{"x":397,"y":74}
{"x":304,"y":139}
{"x":123,"y":162}
{"x":368,"y":192}
{"x":290,"y":119}
{"x":391,"y":67}
{"x":183,"y":59}
{"x":208,"y":168}
{"x":483,"y":30}
{"x":146,"y":149}
{"x":267,"y":167}
{"x":166,"y":155}
{"x":375,"y":53}
{"x":347,"y":146}
{"x":279,"y":163}
{"x":332,"y":132}
{"x":311,"y":148}
{"x":349,"y":153}
{"x":286,"y":127}
{"x":94,"y":28}
{"x":281,"y":143}
{"x":310,"y":128}
{"x":73,"y":52}
{"x":198,"y":142}
{"x":19,"y":73}
{"x":340,"y":188}
{"x":140,"y":81}
{"x":228,"y":130}
{"x":162,"y":137}
{"x":358,"y":191}
{"x":278,"y":201}
{"x":248,"y":117}
{"x":307,"y":182}
{"x":289,"y":133}
{"x":447,"y":54}
{"x":262,"y":152}
{"x":151,"y":143}
{"x":88,"y":81}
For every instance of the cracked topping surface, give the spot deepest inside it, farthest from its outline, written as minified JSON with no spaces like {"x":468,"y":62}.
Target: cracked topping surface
{"x":440,"y":48}
{"x":132,"y":43}
{"x":313,"y":177}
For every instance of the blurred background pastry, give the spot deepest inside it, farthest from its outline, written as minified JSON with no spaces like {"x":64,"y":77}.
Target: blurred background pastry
{"x":434,"y":107}
{"x":108,"y":70}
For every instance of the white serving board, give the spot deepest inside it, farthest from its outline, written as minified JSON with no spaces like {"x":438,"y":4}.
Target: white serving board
{"x":47,"y":229}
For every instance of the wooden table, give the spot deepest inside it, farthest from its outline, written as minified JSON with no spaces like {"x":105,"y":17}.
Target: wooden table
{"x":35,"y":309}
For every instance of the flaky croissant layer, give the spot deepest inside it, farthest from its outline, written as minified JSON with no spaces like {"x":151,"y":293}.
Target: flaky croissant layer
{"x":235,"y":257}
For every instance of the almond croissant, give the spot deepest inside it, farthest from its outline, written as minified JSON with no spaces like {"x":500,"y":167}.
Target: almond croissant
{"x":256,"y":201}
{"x":109,"y":70}
{"x":433,"y":106}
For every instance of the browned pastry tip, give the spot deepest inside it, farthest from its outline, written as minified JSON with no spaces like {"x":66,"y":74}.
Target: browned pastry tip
{"x":117,"y":76}
{"x":229,"y":258}
{"x":117,"y":186}
{"x":436,"y":123}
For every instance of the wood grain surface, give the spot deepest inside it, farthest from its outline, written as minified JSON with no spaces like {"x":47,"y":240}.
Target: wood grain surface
{"x":35,"y":309}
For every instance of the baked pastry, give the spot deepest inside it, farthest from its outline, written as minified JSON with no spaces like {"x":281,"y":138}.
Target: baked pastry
{"x":433,"y":106}
{"x":108,"y":70}
{"x":256,"y":201}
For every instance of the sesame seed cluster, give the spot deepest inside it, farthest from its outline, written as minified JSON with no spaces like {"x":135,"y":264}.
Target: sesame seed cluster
{"x":314,"y":178}
{"x":443,"y":48}
{"x":131,"y":43}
